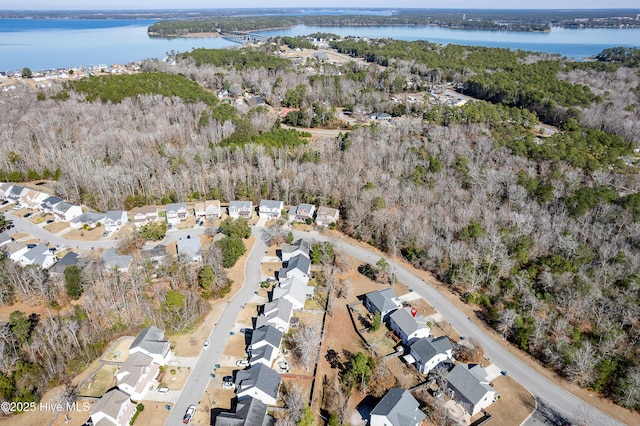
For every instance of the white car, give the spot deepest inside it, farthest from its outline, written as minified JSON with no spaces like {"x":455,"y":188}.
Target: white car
{"x":205,"y":345}
{"x":162,"y":389}
{"x":242,"y":363}
{"x":189,"y":414}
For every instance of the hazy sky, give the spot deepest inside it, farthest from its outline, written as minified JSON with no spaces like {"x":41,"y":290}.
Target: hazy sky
{"x":213,"y":4}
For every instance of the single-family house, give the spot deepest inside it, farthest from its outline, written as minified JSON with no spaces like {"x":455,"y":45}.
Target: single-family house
{"x":112,"y":260}
{"x":32,"y":198}
{"x":427,"y":353}
{"x":209,"y":209}
{"x":241,"y":209}
{"x":380,"y":116}
{"x":15,"y":193}
{"x":151,"y":342}
{"x":14,"y":250}
{"x":5,"y":239}
{"x":300,"y":246}
{"x":39,"y":255}
{"x":295,"y":290}
{"x":327,"y":215}
{"x":468,"y":385}
{"x":144,"y":215}
{"x":49,"y":203}
{"x":408,"y":325}
{"x":5,"y":189}
{"x":189,"y":249}
{"x":114,"y":408}
{"x":270,"y":209}
{"x":263,"y":355}
{"x":276,"y":313}
{"x":260,"y":382}
{"x":248,"y":412}
{"x":155,"y":255}
{"x":88,"y":219}
{"x":176,"y":212}
{"x":298,"y":266}
{"x":69,"y":259}
{"x":66,"y":211}
{"x":265,"y":335}
{"x":115,"y":220}
{"x":383,"y":302}
{"x":302,"y":212}
{"x":135,"y":373}
{"x":397,"y":408}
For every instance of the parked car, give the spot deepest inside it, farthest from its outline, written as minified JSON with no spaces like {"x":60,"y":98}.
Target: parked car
{"x":189,"y":414}
{"x":242,"y":363}
{"x":162,"y":389}
{"x":50,"y":221}
{"x":17,"y":207}
{"x":28,"y":215}
{"x":105,"y":233}
{"x":205,"y":345}
{"x":30,"y":246}
{"x":228,"y":385}
{"x":227,"y":379}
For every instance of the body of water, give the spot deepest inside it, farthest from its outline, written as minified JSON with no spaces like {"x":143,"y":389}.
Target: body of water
{"x":46,"y":43}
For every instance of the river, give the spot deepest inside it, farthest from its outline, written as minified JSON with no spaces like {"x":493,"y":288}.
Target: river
{"x":46,"y":44}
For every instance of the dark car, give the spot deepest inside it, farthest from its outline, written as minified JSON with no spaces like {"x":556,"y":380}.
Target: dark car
{"x":51,"y":221}
{"x":30,"y":246}
{"x":227,"y":379}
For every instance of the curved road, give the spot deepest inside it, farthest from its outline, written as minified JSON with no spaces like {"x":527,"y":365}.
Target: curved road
{"x":564,"y":404}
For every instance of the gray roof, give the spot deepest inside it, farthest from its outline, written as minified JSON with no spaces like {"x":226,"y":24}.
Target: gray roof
{"x":64,"y":206}
{"x":302,"y":245}
{"x":299,"y":262}
{"x":68,"y":259}
{"x":110,"y":403}
{"x":267,"y":333}
{"x":407,"y":322}
{"x":305,"y":209}
{"x":263,"y":352}
{"x":426,"y":348}
{"x":112,"y":259}
{"x":271,"y":204}
{"x":157,"y":251}
{"x":114,"y":215}
{"x":51,"y":201}
{"x":469,"y":381}
{"x":240,"y":205}
{"x":280,"y":308}
{"x":151,"y":339}
{"x":294,"y":287}
{"x":259,"y":376}
{"x":38,"y":250}
{"x":400,"y":408}
{"x":248,"y":412}
{"x":135,"y":364}
{"x":189,"y":247}
{"x":89,"y":217}
{"x":174,"y":207}
{"x":16,"y":191}
{"x":382,"y":300}
{"x":5,"y":238}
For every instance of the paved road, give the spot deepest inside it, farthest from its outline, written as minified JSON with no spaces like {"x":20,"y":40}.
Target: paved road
{"x":556,"y":404}
{"x":194,"y":388}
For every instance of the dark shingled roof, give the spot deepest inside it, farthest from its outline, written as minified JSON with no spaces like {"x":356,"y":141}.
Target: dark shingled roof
{"x":400,"y":408}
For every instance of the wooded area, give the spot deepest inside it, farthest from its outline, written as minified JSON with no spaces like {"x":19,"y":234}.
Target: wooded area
{"x":541,"y":234}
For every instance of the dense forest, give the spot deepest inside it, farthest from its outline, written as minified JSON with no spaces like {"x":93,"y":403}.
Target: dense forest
{"x":540,"y":233}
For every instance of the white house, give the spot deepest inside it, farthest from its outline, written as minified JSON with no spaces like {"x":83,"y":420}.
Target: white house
{"x":408,"y":326}
{"x":427,"y":353}
{"x":112,"y":260}
{"x":382,"y":301}
{"x":297,"y":247}
{"x":302,"y":213}
{"x":33,"y":198}
{"x":89,"y":219}
{"x":66,"y":211}
{"x":151,"y":342}
{"x":176,"y":212}
{"x":39,"y":255}
{"x":115,"y":220}
{"x":295,"y":290}
{"x":14,"y":250}
{"x":260,"y":382}
{"x":189,"y":249}
{"x":276,"y":313}
{"x":135,"y":373}
{"x":270,"y":209}
{"x":209,"y":209}
{"x":144,"y":215}
{"x":397,"y":408}
{"x":241,"y":209}
{"x":326,"y":216}
{"x":468,"y":385}
{"x":114,"y":408}
{"x":49,"y":203}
